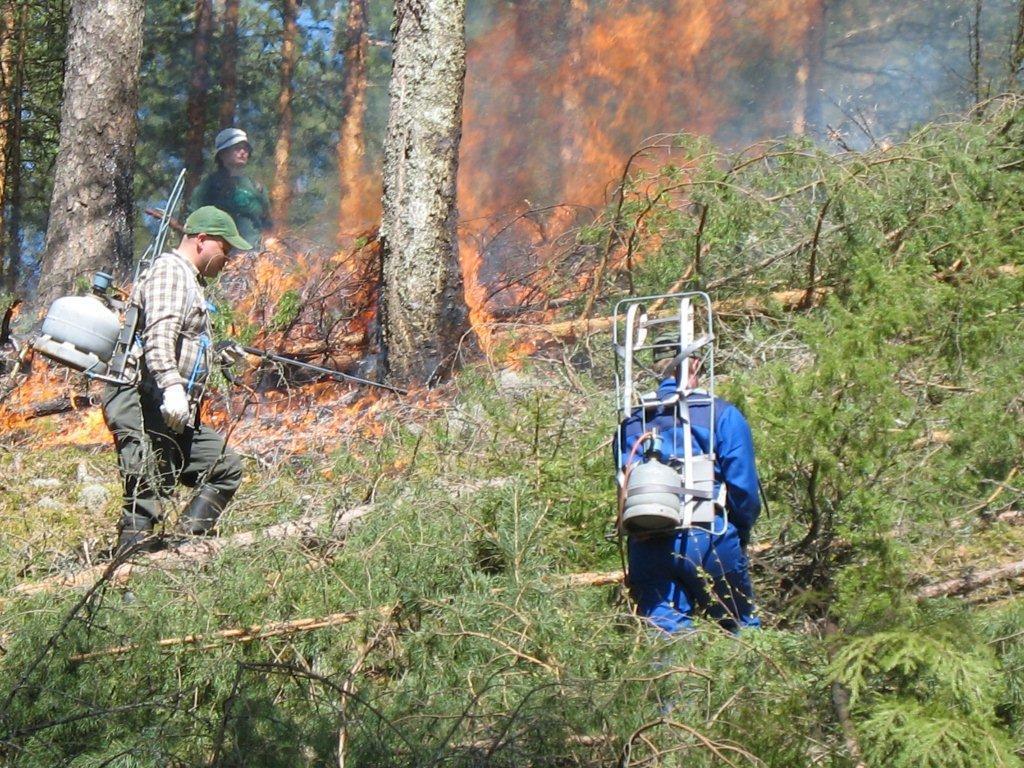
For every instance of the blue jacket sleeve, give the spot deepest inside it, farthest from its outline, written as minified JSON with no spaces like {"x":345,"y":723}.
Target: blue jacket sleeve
{"x":735,"y":449}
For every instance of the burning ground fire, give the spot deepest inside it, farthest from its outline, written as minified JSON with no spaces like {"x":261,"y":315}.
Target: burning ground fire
{"x":53,"y":407}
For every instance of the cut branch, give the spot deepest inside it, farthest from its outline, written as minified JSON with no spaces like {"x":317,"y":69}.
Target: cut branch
{"x":236,"y":634}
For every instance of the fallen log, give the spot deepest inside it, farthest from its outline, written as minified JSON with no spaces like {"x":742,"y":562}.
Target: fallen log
{"x":606,"y":578}
{"x":194,"y":552}
{"x":1010,"y":516}
{"x":55,"y":406}
{"x":950,"y":588}
{"x":973,"y":581}
{"x":787,"y":300}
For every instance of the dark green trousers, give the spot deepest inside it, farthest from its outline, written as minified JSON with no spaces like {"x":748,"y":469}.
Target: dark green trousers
{"x":153,"y":458}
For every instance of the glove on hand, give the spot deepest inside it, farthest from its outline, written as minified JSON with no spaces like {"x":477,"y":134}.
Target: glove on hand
{"x":175,"y":408}
{"x":229,"y":353}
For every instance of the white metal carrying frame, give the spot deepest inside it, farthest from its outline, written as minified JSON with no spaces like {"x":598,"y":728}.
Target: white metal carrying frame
{"x":112,"y":369}
{"x":634,"y":333}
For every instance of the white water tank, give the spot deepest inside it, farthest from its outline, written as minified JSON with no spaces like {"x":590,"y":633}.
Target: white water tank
{"x":653,"y":493}
{"x":79,"y":332}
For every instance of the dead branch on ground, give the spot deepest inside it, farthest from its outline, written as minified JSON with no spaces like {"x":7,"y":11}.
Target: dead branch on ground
{"x":235,"y":634}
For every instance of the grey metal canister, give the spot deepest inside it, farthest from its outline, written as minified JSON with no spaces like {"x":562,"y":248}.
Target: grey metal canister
{"x":653,"y":492}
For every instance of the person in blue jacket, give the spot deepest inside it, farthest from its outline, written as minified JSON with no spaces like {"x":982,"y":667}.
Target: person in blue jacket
{"x":670,"y":573}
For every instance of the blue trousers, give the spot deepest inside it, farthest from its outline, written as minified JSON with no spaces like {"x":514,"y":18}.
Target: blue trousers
{"x":670,"y":575}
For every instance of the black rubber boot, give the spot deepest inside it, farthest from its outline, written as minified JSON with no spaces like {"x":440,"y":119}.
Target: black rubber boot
{"x":136,"y":533}
{"x":200,"y":518}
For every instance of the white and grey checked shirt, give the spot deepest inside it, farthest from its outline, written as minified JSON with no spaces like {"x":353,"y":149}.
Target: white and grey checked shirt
{"x":175,"y":324}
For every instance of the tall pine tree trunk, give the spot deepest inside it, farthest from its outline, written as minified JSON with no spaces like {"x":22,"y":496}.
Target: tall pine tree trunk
{"x":12,"y":196}
{"x":7,"y":67}
{"x":198,"y":88}
{"x":280,"y":193}
{"x":351,"y":142}
{"x":229,"y":65}
{"x":424,"y":306}
{"x":1017,"y":45}
{"x":90,"y":223}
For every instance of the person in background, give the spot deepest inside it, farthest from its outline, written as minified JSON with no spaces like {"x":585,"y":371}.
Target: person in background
{"x":669,"y":572}
{"x":231,"y":190}
{"x":155,"y":421}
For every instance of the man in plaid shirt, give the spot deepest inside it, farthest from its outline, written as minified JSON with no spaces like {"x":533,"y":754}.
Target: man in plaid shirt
{"x":155,"y":423}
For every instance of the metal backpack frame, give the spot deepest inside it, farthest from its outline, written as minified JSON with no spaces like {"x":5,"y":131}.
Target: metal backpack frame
{"x":634,"y":332}
{"x":116,"y":321}
{"x":130,"y":324}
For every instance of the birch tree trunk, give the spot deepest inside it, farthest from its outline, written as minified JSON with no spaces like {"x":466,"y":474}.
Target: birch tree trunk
{"x":229,"y":65}
{"x":198,"y":94}
{"x":424,"y":307}
{"x":351,"y":142}
{"x":90,"y":225}
{"x":280,"y":192}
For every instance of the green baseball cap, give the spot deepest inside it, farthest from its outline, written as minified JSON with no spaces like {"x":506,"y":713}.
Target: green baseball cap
{"x":210,"y":220}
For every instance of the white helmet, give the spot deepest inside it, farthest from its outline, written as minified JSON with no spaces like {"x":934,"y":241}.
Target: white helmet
{"x":228,"y":138}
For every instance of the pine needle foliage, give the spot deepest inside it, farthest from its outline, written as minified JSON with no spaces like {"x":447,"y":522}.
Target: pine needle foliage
{"x":887,"y":417}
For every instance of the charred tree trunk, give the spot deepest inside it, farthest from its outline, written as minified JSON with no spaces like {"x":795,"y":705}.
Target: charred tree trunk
{"x":12,"y":196}
{"x":91,"y":207}
{"x":425,"y":310}
{"x":198,"y":88}
{"x":229,"y":65}
{"x":280,"y":193}
{"x":807,"y":110}
{"x":351,"y":143}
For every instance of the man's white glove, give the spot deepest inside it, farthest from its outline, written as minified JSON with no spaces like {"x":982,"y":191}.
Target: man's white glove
{"x":175,"y":408}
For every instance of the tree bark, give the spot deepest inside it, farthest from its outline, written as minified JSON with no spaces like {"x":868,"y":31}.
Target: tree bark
{"x":280,"y":193}
{"x":351,"y":142}
{"x":308,"y":529}
{"x":198,"y":94}
{"x":424,"y":306}
{"x":12,"y":158}
{"x":974,"y":52}
{"x":90,"y":222}
{"x":229,"y":66}
{"x":7,"y":67}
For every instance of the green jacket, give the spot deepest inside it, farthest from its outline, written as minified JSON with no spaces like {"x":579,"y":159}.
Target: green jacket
{"x":240,"y":196}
